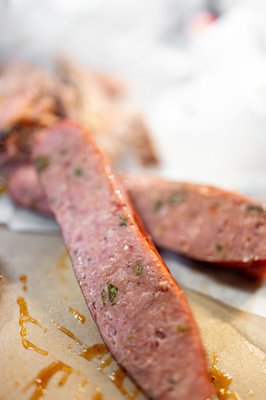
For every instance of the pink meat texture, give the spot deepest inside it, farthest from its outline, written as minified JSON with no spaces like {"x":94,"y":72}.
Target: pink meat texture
{"x":141,"y":313}
{"x":201,"y":222}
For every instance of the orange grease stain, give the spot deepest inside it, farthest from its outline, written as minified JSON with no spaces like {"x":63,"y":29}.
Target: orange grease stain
{"x":23,"y":279}
{"x":44,"y":376}
{"x":24,"y":319}
{"x":98,"y":395}
{"x":106,"y":363}
{"x":97,"y":350}
{"x":63,"y":260}
{"x":68,"y":333}
{"x":118,"y":378}
{"x":80,"y":317}
{"x":222,"y":382}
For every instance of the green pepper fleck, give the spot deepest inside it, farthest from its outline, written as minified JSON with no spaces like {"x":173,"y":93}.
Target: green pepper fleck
{"x":123,"y":220}
{"x":214,"y":205}
{"x":254,"y":207}
{"x":112,"y":292}
{"x":157,"y":205}
{"x":139,"y":268}
{"x":219,"y":247}
{"x":103,"y":295}
{"x":41,"y":163}
{"x":63,"y":152}
{"x":178,"y":197}
{"x":182,"y":328}
{"x":78,"y":171}
{"x":2,"y":188}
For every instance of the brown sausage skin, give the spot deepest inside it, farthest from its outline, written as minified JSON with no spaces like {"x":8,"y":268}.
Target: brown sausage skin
{"x":140,"y":311}
{"x":201,"y":222}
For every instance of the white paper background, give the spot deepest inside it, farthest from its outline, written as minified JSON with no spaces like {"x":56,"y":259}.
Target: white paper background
{"x":205,"y":103}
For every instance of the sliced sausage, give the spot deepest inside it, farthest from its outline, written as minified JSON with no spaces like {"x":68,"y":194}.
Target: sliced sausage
{"x":201,"y":222}
{"x":140,"y":311}
{"x":24,"y":187}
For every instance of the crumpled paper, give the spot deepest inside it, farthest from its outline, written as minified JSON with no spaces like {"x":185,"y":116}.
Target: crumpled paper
{"x":206,"y":105}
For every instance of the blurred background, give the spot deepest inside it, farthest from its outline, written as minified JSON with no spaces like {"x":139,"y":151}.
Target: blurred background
{"x":196,"y":68}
